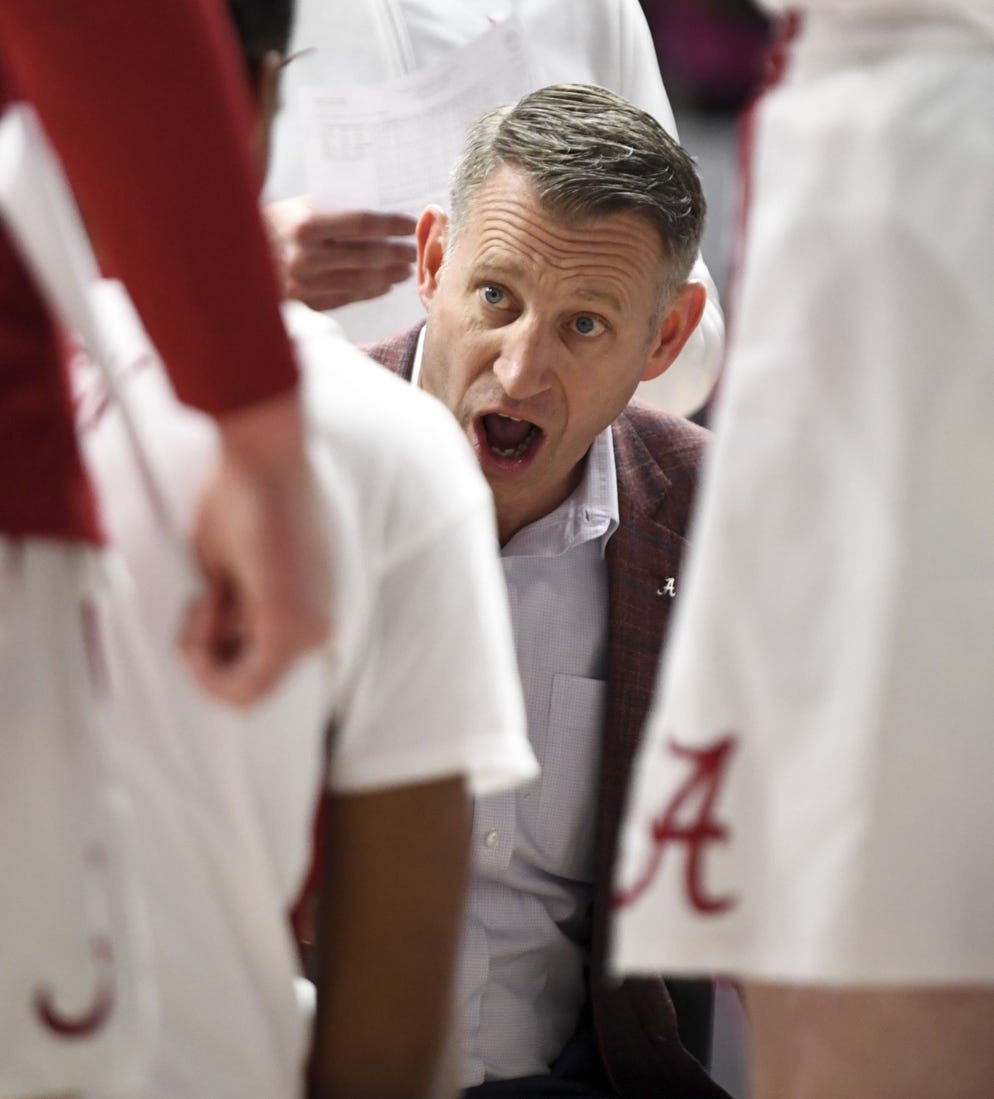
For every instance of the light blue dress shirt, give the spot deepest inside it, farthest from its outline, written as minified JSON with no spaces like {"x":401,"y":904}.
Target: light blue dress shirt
{"x":525,"y":943}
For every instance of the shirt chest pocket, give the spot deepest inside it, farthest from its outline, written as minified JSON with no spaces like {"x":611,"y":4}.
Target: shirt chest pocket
{"x":567,"y":791}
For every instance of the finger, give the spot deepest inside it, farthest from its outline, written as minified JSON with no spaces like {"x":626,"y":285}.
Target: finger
{"x":321,"y":303}
{"x":336,"y":292}
{"x":353,"y":224}
{"x":202,"y":627}
{"x":352,"y":281}
{"x":196,"y":628}
{"x":259,"y":662}
{"x":309,"y":261}
{"x":213,"y":633}
{"x":228,"y":671}
{"x":238,"y":652}
{"x":238,"y":684}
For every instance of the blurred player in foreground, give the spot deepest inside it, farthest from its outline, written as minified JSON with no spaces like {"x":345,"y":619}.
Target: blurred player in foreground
{"x":813,"y":813}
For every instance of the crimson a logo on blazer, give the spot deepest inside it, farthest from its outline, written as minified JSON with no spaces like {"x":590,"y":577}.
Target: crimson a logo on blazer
{"x":679,"y":824}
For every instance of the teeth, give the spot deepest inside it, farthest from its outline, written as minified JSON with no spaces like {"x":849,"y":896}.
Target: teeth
{"x":520,"y":449}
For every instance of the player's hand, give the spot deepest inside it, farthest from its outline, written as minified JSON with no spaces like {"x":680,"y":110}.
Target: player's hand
{"x":329,"y":260}
{"x":264,"y":554}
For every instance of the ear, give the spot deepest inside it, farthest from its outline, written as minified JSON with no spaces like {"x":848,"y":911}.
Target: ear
{"x":678,"y":322}
{"x":430,"y":237}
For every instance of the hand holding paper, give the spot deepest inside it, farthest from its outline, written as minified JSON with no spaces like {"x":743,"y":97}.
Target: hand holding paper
{"x":327,"y":260}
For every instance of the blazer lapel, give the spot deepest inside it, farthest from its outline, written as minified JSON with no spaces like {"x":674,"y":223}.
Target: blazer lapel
{"x":643,"y":564}
{"x":635,"y":1020}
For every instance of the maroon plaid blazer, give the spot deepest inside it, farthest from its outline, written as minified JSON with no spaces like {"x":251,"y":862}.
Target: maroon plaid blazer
{"x":658,"y":457}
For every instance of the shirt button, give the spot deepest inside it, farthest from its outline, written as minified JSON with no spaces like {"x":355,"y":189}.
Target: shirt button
{"x":490,"y":839}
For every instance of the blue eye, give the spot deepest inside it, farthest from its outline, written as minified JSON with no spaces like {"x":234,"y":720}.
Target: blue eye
{"x":585,"y":325}
{"x":493,"y":295}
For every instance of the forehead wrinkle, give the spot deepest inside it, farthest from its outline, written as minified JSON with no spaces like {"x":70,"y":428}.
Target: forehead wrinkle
{"x":511,"y":237}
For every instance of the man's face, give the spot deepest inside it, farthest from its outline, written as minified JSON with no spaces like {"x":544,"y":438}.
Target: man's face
{"x":538,"y":333}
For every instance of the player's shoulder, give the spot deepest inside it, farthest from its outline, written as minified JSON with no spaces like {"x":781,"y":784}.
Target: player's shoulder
{"x":381,"y":427}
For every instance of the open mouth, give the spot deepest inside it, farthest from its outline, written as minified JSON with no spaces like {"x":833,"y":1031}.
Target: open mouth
{"x":508,"y":437}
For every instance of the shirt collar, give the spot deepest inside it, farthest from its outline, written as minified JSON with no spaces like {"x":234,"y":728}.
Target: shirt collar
{"x":418,"y":351}
{"x":588,"y":515}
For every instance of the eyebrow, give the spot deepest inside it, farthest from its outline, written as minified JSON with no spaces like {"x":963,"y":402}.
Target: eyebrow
{"x":601,"y":296}
{"x":497,"y":270}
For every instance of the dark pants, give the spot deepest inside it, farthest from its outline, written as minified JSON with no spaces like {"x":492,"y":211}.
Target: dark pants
{"x":577,"y":1073}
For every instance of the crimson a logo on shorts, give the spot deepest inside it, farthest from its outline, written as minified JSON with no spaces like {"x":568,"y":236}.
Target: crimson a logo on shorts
{"x":681,"y":824}
{"x":94,"y":1015}
{"x":92,"y":1019}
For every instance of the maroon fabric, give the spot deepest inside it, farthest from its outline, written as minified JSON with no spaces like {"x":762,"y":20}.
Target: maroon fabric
{"x":146,"y":103}
{"x":43,"y":489}
{"x":658,"y":458}
{"x":148,"y":106}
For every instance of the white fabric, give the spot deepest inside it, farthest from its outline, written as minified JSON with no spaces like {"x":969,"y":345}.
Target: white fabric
{"x":837,"y":622}
{"x":976,"y":13}
{"x":71,"y":928}
{"x":227,"y":798}
{"x":605,"y":42}
{"x":76,"y":1008}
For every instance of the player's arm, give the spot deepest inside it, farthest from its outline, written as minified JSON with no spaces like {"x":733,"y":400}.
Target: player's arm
{"x":390,"y":906}
{"x":155,"y":141}
{"x":889,"y":1043}
{"x":264,"y":553}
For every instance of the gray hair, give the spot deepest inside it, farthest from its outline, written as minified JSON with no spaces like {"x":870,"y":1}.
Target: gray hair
{"x":588,"y":152}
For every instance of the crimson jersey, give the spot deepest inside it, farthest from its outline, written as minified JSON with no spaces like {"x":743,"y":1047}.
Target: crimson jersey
{"x":154,"y":142}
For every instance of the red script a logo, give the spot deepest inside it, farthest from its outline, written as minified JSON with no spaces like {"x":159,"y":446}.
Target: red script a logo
{"x":709,"y":766}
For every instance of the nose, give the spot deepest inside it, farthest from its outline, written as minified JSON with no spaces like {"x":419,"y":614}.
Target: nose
{"x":525,"y":364}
